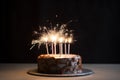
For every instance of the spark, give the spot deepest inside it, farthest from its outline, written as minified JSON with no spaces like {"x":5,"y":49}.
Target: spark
{"x":56,"y":34}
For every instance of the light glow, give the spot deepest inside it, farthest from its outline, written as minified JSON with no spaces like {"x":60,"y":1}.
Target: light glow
{"x":58,"y":35}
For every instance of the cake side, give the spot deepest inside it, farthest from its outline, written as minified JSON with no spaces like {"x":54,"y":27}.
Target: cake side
{"x":65,"y":64}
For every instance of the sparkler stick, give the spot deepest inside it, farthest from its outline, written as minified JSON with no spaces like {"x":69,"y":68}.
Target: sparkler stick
{"x":44,"y":38}
{"x":61,"y":39}
{"x":52,"y":47}
{"x":53,"y":39}
{"x":68,"y":48}
{"x":61,"y":48}
{"x":47,"y":48}
{"x":65,"y":48}
{"x":55,"y":48}
{"x":69,"y":41}
{"x":65,"y":45}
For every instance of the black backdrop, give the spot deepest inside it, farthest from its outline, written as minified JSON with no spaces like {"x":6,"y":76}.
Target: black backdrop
{"x":96,"y":25}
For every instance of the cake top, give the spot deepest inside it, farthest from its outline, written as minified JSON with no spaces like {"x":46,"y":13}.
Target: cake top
{"x":57,"y":56}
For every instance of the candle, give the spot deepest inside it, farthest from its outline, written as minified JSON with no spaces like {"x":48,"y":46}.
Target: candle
{"x":65,"y":49}
{"x":47,"y":48}
{"x":61,"y":39}
{"x":53,"y":40}
{"x":45,"y":39}
{"x":52,"y":47}
{"x":60,"y":48}
{"x":65,"y":46}
{"x":55,"y":48}
{"x":69,"y":41}
{"x":68,"y":48}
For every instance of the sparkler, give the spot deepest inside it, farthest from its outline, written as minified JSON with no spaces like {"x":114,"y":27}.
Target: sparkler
{"x":45,"y":39}
{"x":61,"y":39}
{"x":69,"y":41}
{"x":55,"y":35}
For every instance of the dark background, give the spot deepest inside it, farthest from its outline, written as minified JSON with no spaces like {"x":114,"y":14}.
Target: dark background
{"x":96,"y":25}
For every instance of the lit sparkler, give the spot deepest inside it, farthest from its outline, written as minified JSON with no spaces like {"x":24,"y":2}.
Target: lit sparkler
{"x":54,"y":35}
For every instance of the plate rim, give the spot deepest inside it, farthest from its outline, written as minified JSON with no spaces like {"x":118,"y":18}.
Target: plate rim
{"x":34,"y":72}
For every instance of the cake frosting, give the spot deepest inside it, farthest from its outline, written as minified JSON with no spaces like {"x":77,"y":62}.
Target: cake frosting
{"x":59,"y":64}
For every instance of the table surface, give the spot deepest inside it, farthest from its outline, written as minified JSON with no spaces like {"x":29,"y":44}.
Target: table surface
{"x":18,"y":71}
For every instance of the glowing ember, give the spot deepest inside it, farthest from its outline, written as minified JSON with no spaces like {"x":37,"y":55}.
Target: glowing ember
{"x":69,"y":40}
{"x":61,"y":39}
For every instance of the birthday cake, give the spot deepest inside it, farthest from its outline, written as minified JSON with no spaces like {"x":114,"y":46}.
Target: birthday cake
{"x":57,"y":59}
{"x":59,"y":64}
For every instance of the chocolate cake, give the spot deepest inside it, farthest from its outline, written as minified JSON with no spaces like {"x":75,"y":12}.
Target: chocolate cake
{"x":59,"y":64}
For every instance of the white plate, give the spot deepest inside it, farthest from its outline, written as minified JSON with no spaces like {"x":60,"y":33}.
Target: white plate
{"x":83,"y":73}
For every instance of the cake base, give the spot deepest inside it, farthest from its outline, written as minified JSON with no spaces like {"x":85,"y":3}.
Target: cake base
{"x":59,"y":64}
{"x":84,"y":72}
